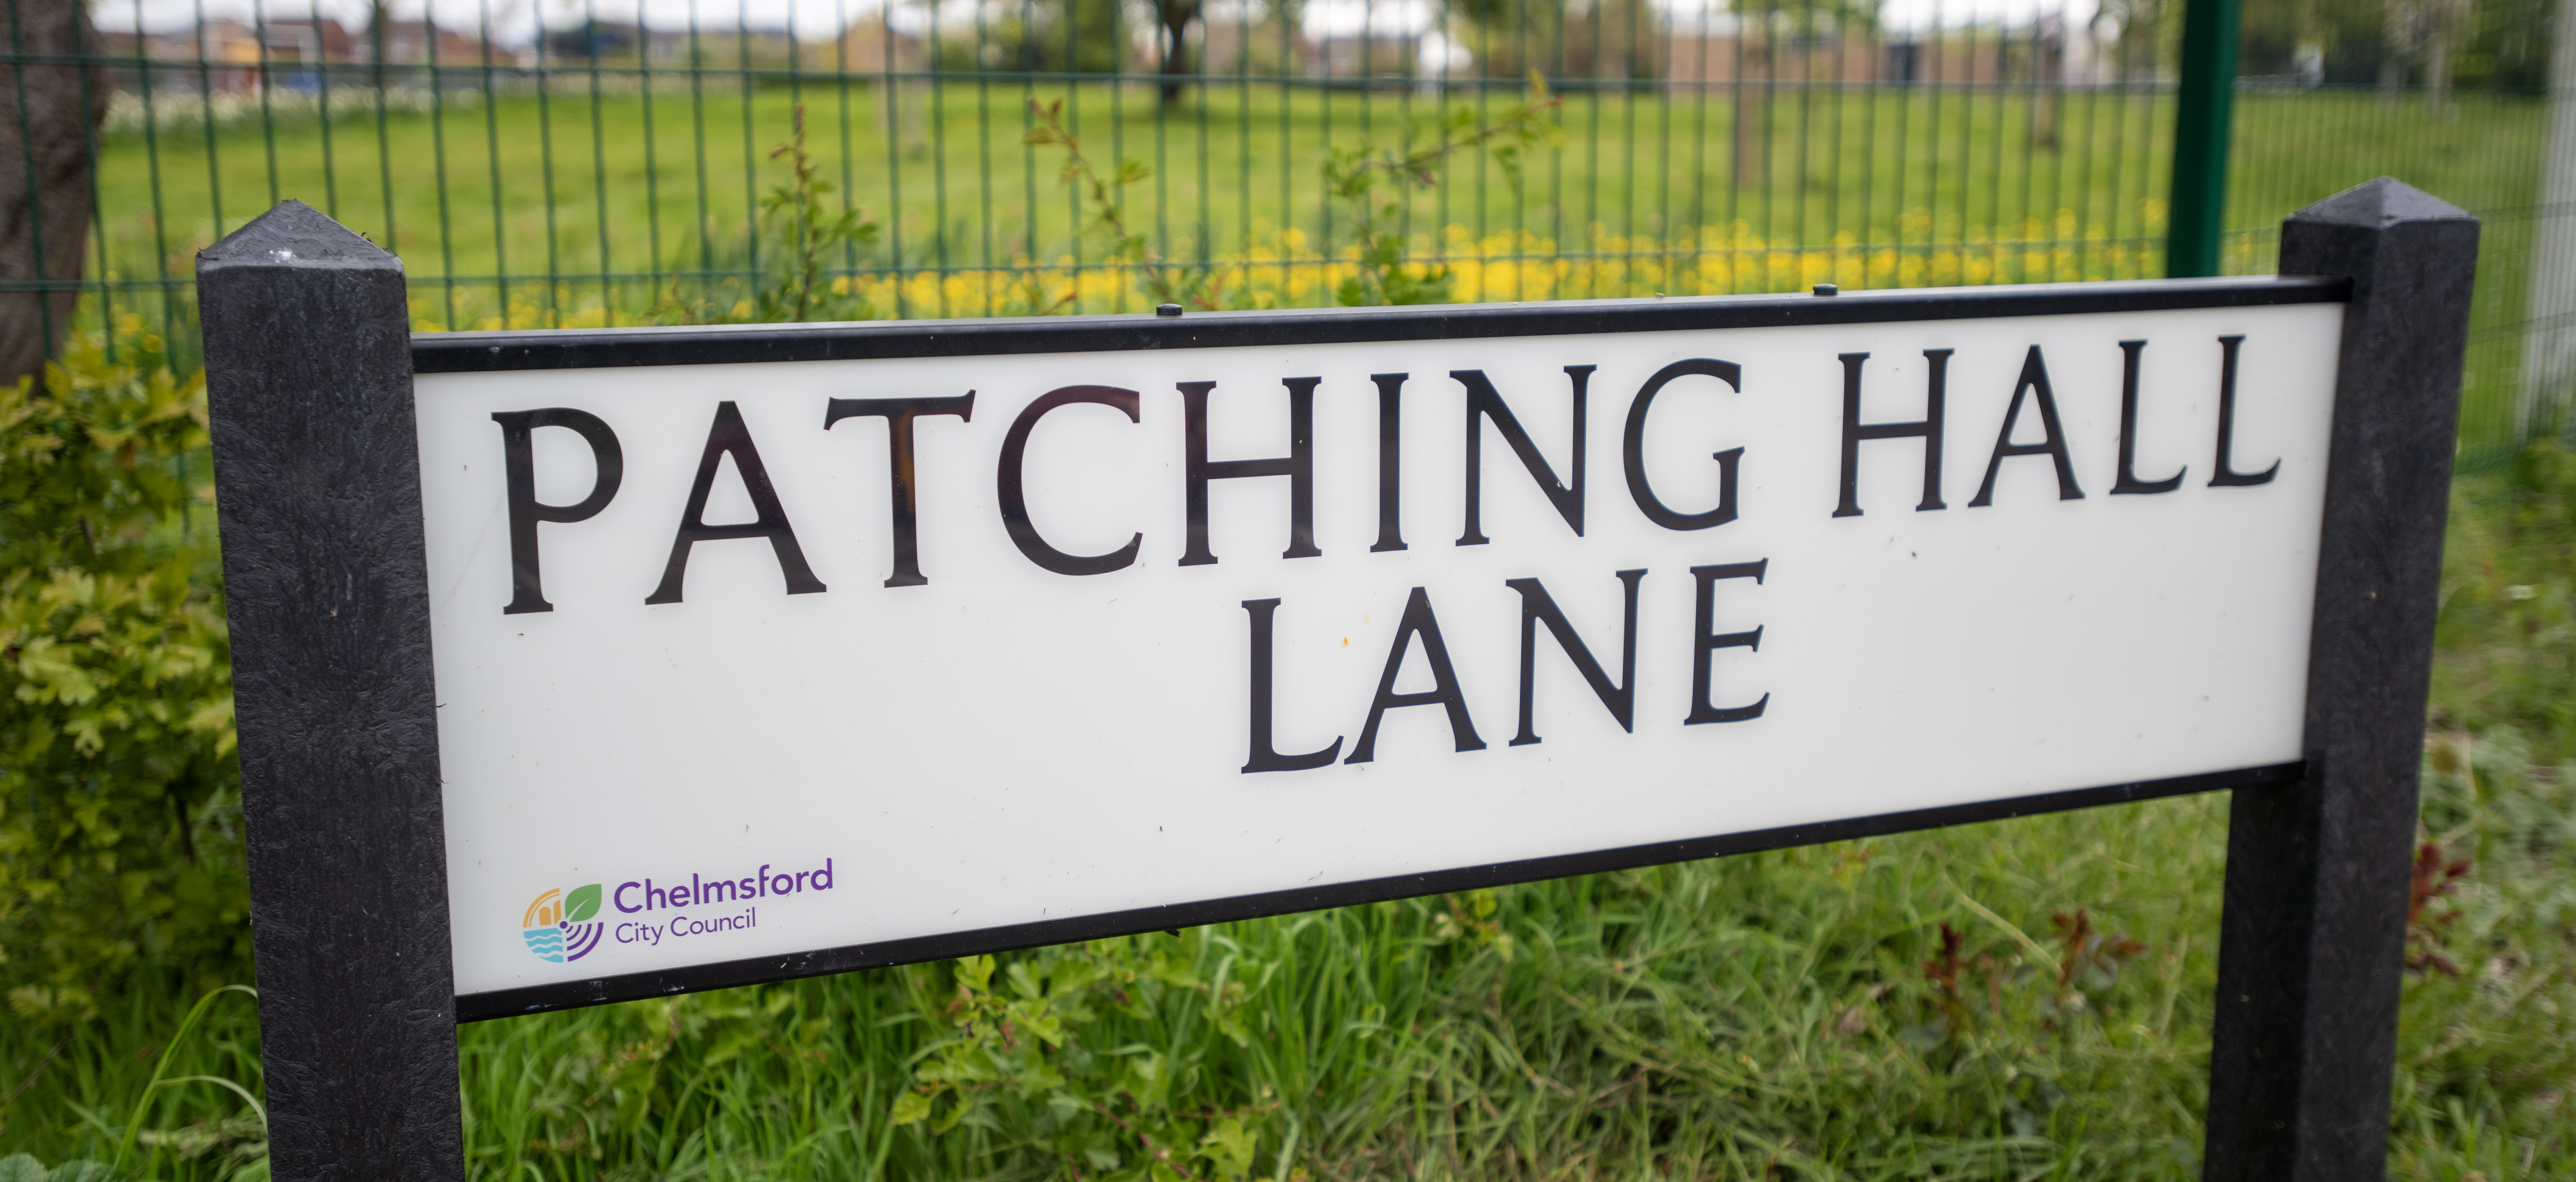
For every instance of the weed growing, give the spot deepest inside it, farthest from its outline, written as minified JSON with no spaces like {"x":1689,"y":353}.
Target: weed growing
{"x":1353,"y":178}
{"x":804,"y":236}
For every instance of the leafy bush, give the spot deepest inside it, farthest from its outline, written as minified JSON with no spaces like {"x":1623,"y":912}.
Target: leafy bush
{"x":119,"y":790}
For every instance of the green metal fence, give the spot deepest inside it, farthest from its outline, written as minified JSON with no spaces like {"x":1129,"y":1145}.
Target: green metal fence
{"x":2484,"y":152}
{"x":635,"y":161}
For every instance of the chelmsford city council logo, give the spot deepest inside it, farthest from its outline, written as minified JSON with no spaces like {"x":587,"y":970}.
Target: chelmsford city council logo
{"x":554,"y":926}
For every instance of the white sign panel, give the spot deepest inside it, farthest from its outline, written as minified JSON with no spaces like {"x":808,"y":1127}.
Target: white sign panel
{"x":1396,"y":607}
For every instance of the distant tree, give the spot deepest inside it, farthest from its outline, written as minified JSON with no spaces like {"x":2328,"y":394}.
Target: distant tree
{"x":1070,"y":36}
{"x":1177,"y":17}
{"x":2139,"y":31}
{"x":49,"y":117}
{"x":2502,"y":44}
{"x":2422,"y":33}
{"x":2271,"y":33}
{"x":1096,"y":40}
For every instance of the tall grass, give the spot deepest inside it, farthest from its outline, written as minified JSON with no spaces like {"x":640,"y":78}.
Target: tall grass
{"x":1922,"y":1006}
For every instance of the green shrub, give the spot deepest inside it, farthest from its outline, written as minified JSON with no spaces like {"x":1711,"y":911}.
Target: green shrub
{"x":119,"y":790}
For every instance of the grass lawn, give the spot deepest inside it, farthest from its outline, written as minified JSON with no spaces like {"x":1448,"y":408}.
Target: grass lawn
{"x":525,"y":208}
{"x":644,"y":184}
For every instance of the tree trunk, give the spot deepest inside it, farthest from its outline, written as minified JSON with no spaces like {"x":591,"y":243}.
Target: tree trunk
{"x":2549,"y":349}
{"x":903,"y":100}
{"x":1752,"y":109}
{"x":2437,"y":70}
{"x":1176,"y":17}
{"x":2392,"y":59}
{"x":49,"y":115}
{"x":2048,"y":70}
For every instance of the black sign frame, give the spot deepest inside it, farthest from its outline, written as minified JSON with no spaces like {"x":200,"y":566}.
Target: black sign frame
{"x":309,"y":367}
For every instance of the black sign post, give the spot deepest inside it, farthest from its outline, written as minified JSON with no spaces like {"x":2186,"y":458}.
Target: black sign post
{"x":2314,"y":932}
{"x":317,"y":467}
{"x":310,"y":369}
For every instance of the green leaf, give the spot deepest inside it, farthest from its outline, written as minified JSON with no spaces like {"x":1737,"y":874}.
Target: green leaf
{"x":730,"y":1046}
{"x":911,"y":1108}
{"x":581,"y":904}
{"x":957,"y":1113}
{"x":1229,"y":1147}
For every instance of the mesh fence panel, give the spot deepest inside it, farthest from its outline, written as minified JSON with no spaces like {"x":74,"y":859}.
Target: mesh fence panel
{"x":638,"y":162}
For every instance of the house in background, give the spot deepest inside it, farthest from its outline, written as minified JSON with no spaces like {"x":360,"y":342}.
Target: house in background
{"x":410,"y":43}
{"x":242,"y":57}
{"x":1378,"y":39}
{"x":1242,"y":37}
{"x":881,"y":44}
{"x":1711,"y":49}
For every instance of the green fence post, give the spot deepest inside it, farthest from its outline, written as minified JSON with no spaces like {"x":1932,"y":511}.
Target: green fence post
{"x":2202,"y":123}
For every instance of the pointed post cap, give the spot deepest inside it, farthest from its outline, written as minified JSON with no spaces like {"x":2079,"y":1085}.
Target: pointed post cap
{"x":296,"y":235}
{"x":2379,"y":204}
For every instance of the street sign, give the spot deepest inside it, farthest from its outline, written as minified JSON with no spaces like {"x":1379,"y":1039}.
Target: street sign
{"x":580,"y":666}
{"x":768,"y":659}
